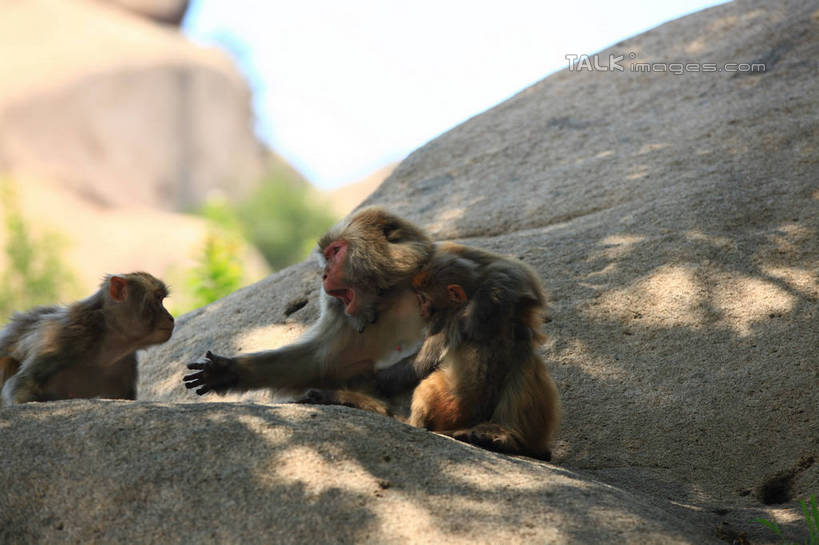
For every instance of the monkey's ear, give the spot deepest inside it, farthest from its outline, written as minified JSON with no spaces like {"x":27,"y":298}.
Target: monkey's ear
{"x":118,"y":288}
{"x":392,"y":232}
{"x":456,"y":293}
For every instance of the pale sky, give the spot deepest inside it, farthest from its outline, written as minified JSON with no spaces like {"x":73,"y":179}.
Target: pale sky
{"x":344,"y":88}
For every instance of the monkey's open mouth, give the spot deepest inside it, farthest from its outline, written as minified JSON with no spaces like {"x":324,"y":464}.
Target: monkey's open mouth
{"x":346,"y":296}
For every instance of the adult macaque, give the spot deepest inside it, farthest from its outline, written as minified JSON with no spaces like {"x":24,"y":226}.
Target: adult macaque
{"x":369,"y":314}
{"x":86,"y":349}
{"x":488,"y":386}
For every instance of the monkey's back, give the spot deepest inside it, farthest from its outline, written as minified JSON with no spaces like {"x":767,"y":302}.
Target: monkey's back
{"x":17,"y":334}
{"x":21,"y":325}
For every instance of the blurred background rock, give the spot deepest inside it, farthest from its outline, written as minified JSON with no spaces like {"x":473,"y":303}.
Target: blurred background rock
{"x":124,"y":146}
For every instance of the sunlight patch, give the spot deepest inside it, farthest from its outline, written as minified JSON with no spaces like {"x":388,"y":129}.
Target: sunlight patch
{"x":669,"y":297}
{"x":617,"y":246}
{"x":268,"y":337}
{"x":637,"y":173}
{"x":599,"y":367}
{"x":651,"y":147}
{"x":446,"y":218}
{"x":804,"y":281}
{"x":717,"y":241}
{"x":317,"y":473}
{"x":744,"y":300}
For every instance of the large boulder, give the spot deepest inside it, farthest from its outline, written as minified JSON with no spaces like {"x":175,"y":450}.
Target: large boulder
{"x":117,"y":472}
{"x":674,"y":218}
{"x":120,"y":109}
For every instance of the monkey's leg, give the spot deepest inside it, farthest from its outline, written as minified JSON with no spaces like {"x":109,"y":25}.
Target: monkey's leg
{"x":26,"y":385}
{"x":8,"y":367}
{"x":20,"y":388}
{"x":434,"y":404}
{"x":526,"y":416}
{"x":347,"y":398}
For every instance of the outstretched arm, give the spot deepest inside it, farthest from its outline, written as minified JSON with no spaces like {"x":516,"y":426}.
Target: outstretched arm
{"x":298,"y":365}
{"x":329,"y":353}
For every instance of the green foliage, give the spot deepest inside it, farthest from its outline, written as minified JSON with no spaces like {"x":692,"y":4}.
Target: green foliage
{"x":280,"y":218}
{"x":283,"y":220}
{"x":35,"y":273}
{"x":810,"y":510}
{"x":219,"y":270}
{"x":221,"y":216}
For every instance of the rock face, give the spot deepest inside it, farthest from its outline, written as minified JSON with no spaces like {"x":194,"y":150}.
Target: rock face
{"x":346,"y":198}
{"x":240,"y":473}
{"x":106,"y":137}
{"x":132,"y":113}
{"x":674,"y":218}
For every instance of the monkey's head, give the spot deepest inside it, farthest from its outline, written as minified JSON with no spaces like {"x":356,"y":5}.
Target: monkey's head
{"x":370,"y":253}
{"x":133,"y":307}
{"x":444,"y":287}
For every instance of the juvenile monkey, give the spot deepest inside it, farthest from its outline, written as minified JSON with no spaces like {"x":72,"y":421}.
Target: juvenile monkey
{"x":86,"y":349}
{"x":489,"y":387}
{"x":465,"y":373}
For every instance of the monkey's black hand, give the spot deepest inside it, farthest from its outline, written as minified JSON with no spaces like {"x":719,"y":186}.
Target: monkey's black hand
{"x":397,"y":378}
{"x":215,"y":373}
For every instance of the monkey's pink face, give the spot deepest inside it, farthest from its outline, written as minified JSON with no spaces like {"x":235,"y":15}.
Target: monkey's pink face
{"x":335,"y":283}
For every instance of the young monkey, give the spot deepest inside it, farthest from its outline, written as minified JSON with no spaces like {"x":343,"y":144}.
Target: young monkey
{"x":487,"y":385}
{"x":87,"y":349}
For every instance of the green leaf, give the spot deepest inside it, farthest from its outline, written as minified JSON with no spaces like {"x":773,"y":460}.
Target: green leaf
{"x":772,"y":526}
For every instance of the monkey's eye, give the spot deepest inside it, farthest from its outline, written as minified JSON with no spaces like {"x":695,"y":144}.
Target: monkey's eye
{"x":332,"y":250}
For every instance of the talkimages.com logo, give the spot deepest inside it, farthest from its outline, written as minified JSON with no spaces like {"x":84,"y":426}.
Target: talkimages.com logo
{"x":615,"y":63}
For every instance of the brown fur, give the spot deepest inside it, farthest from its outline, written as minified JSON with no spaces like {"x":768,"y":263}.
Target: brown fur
{"x":86,"y":349}
{"x":8,"y":367}
{"x":533,"y":309}
{"x":368,"y":309}
{"x":490,"y":387}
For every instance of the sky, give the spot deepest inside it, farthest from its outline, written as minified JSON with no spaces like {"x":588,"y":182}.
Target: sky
{"x":343,"y":88}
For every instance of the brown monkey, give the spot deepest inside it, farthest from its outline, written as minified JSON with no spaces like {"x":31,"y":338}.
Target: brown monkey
{"x":370,"y":320}
{"x":489,"y":387}
{"x":86,"y":349}
{"x":459,"y":389}
{"x":369,"y":316}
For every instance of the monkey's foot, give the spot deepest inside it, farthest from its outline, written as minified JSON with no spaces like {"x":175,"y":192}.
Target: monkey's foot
{"x":356,"y":400}
{"x":314,"y":396}
{"x":498,"y":439}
